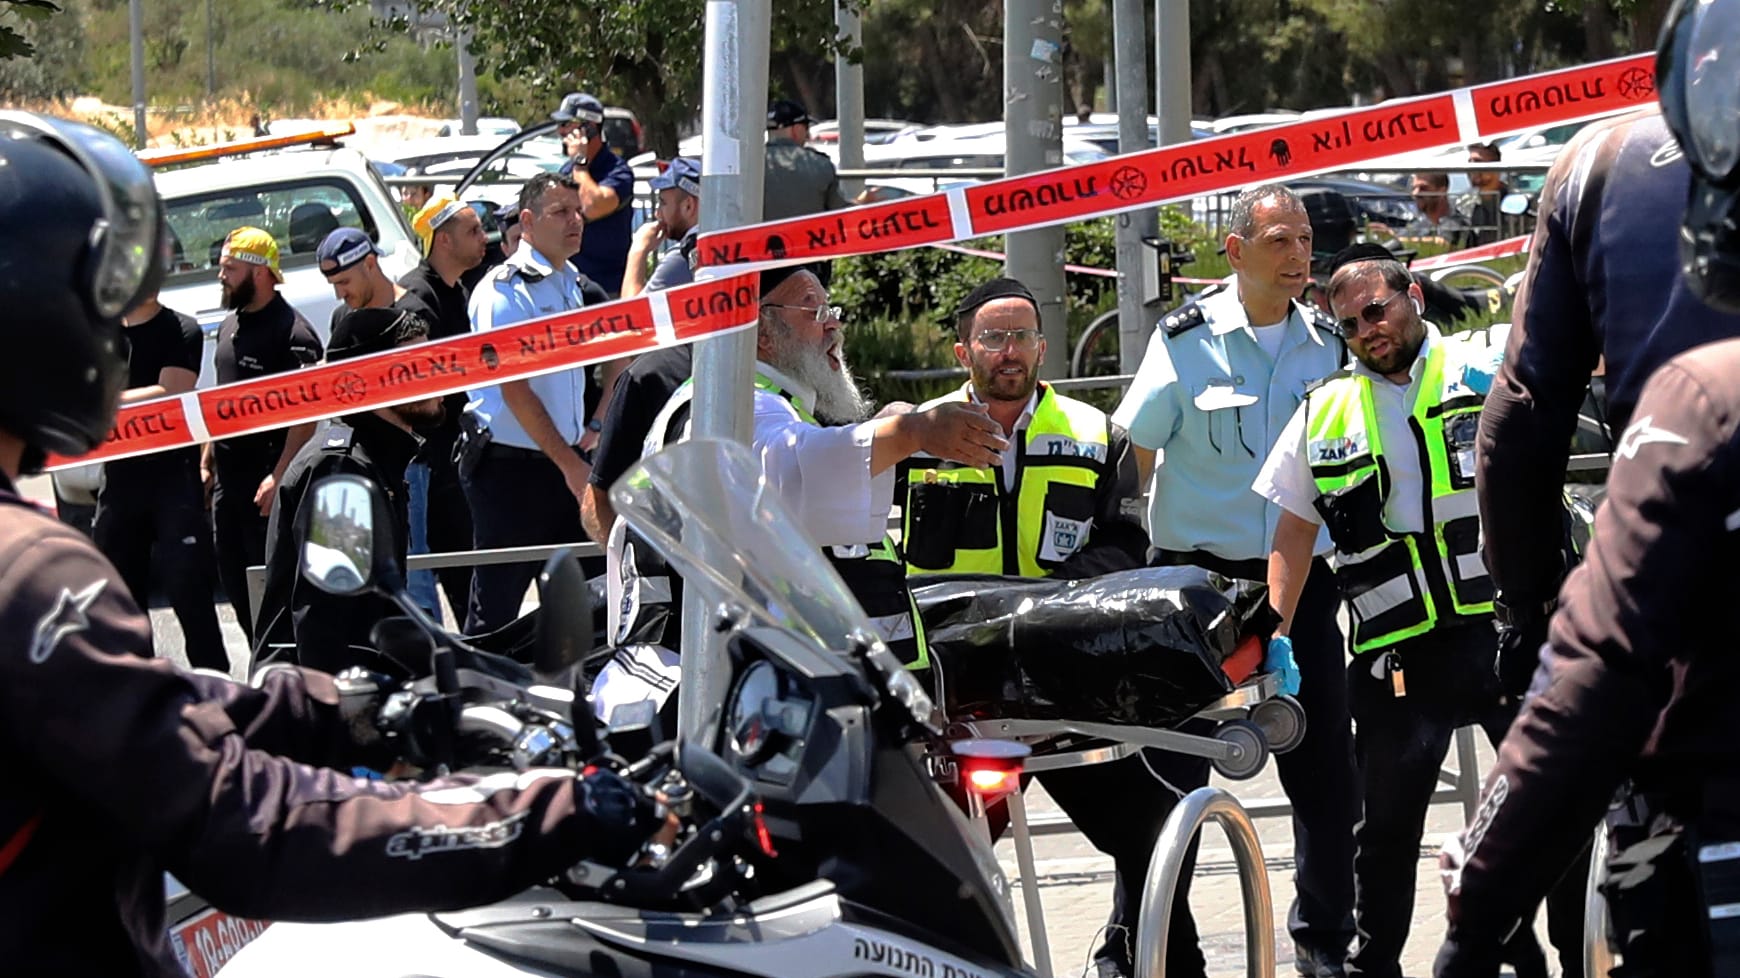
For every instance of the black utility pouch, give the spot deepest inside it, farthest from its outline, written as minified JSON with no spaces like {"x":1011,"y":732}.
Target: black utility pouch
{"x":468,"y":448}
{"x":943,"y":517}
{"x":1355,"y":516}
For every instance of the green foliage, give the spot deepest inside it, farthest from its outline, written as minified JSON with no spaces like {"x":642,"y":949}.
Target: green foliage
{"x":18,"y":18}
{"x":41,"y":50}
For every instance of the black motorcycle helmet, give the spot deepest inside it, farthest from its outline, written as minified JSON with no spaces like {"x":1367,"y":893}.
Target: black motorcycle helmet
{"x":83,"y":242}
{"x":1697,"y":74}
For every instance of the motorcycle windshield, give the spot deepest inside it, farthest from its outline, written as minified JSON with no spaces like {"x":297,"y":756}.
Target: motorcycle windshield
{"x":704,"y":505}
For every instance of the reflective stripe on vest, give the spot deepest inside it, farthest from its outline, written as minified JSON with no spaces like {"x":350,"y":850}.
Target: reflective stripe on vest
{"x":1399,"y":585}
{"x":957,"y":519}
{"x":874,"y":573}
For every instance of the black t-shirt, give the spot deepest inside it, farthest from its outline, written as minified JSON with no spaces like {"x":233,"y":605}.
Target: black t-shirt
{"x":168,"y":339}
{"x":641,"y":392}
{"x":251,"y":345}
{"x":443,"y":305}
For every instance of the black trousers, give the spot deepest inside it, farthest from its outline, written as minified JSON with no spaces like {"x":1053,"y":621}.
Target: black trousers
{"x":1320,"y":781}
{"x":449,"y":531}
{"x":1318,"y":775}
{"x":1401,"y":743}
{"x":518,"y":499}
{"x":152,"y":516}
{"x":239,"y":531}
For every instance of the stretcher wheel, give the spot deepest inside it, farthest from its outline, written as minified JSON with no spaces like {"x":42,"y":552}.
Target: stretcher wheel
{"x":1250,"y":749}
{"x":1282,"y":721}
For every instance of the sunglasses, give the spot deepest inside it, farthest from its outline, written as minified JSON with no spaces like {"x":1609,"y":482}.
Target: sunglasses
{"x":998,"y":340}
{"x":1372,"y":314}
{"x":823,"y":312}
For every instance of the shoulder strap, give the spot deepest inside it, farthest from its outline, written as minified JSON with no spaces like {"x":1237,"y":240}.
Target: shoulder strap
{"x":1182,"y":320}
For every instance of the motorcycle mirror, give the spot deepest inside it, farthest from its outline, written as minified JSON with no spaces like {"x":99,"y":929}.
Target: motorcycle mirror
{"x":563,"y":632}
{"x":1515,"y":205}
{"x":347,"y":537}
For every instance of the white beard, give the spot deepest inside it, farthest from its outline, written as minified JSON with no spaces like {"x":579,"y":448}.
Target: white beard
{"x":838,"y":399}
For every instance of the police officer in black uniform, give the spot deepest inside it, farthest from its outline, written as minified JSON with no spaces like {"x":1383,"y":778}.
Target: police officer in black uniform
{"x":122,"y":765}
{"x":1637,"y":677}
{"x":299,"y":622}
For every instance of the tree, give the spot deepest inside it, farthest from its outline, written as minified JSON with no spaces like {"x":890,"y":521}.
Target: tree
{"x":15,"y":41}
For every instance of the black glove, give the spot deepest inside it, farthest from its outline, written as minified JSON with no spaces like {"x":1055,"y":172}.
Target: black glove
{"x":624,"y":817}
{"x":1519,"y":653}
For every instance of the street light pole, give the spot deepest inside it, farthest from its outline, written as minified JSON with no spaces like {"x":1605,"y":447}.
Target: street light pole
{"x":1033,"y":128}
{"x":136,"y":28}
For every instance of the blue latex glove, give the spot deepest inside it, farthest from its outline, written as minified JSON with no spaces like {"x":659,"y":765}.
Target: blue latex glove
{"x":1279,"y":661}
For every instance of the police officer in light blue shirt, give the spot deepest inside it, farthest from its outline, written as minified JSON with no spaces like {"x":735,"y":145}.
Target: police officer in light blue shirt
{"x":525,"y":486}
{"x":1218,"y":383}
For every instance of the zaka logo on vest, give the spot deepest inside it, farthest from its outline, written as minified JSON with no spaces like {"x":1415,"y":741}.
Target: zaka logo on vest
{"x":1335,"y":449}
{"x":1063,"y":446}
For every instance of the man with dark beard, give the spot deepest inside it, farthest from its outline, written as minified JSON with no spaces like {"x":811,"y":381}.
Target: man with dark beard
{"x":1069,"y":491}
{"x":300,"y":623}
{"x":262,"y":336}
{"x":1382,"y":454}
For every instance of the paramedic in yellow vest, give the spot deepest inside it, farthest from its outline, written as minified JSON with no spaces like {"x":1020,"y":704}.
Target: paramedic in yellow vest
{"x":1383,"y":453}
{"x":1062,"y":502}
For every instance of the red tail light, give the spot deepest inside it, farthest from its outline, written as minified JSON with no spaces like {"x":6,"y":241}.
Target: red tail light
{"x":991,"y":768}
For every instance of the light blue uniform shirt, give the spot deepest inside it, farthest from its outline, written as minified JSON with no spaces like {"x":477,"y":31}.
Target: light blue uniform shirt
{"x":1213,"y":402}
{"x":526,"y":287}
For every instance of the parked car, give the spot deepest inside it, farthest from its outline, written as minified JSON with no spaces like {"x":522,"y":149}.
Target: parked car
{"x":622,"y":132}
{"x":496,"y":126}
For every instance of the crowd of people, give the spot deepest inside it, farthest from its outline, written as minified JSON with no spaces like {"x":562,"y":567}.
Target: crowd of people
{"x":1362,"y":465}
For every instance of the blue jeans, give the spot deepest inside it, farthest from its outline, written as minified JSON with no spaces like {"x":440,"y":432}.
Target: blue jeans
{"x":421,"y":583}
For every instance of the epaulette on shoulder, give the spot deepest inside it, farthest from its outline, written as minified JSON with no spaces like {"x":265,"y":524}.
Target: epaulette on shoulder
{"x":1338,"y":375}
{"x":1182,"y":320}
{"x":504,"y":272}
{"x":1320,"y":319}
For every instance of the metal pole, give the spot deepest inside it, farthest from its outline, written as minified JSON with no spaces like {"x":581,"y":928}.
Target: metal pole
{"x":1167,"y":863}
{"x":136,"y":28}
{"x":467,"y":84}
{"x":849,"y":96}
{"x":1029,"y":884}
{"x":1172,"y":70}
{"x":1033,"y":125}
{"x":1597,"y":955}
{"x":210,"y":51}
{"x":1130,"y":59}
{"x":734,"y":105}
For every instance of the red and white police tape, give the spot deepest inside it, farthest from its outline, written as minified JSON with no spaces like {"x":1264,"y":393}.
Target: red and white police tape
{"x":1207,"y":166}
{"x":539,"y":346}
{"x":731,"y":301}
{"x":1498,"y":249}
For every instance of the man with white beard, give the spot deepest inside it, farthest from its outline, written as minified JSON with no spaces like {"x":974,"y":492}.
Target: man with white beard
{"x":833,"y":468}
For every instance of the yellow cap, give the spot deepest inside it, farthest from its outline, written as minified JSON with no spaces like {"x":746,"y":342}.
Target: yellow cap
{"x":255,"y":247}
{"x":438,"y":211}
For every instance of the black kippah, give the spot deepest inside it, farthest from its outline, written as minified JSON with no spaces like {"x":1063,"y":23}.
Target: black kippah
{"x":770,"y":279}
{"x":997,"y":288}
{"x":1364,"y":251}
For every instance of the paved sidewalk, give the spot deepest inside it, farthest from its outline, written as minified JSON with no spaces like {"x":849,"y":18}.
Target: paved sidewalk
{"x":1075,"y":884}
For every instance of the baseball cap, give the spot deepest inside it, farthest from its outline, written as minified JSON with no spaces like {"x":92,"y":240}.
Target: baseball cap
{"x":784,"y":112}
{"x":342,"y":249}
{"x":440,"y":209}
{"x":579,"y":107}
{"x":255,"y":247}
{"x":682,"y":174}
{"x":361,"y":332}
{"x":508,"y":214}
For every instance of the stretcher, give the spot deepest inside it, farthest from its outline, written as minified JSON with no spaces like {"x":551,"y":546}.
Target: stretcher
{"x":1245,"y":726}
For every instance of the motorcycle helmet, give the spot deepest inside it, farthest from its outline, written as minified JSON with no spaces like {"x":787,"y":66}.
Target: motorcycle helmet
{"x":1697,"y":75}
{"x":84,"y":243}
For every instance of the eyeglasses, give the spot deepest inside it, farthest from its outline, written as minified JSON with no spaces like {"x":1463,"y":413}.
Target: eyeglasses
{"x":823,"y":313}
{"x":997,"y":340}
{"x":1373,"y":313}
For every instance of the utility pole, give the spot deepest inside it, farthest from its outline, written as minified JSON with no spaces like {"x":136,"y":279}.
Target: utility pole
{"x":849,"y":96}
{"x":1172,"y":70}
{"x":1136,"y":263}
{"x":136,"y":28}
{"x":1033,"y":126}
{"x":467,"y":83}
{"x":733,"y":110}
{"x":210,"y":52}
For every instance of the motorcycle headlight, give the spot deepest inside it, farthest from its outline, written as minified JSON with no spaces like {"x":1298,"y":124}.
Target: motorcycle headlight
{"x":1698,"y":78}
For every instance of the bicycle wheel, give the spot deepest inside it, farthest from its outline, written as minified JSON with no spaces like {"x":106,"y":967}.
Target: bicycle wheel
{"x":1096,"y":354}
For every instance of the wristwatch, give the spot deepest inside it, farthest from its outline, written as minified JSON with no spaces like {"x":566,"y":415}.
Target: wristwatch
{"x":595,"y":425}
{"x":1527,"y":613}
